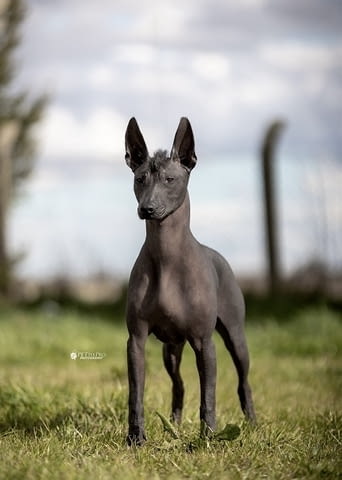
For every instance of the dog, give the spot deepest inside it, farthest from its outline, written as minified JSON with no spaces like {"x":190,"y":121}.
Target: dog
{"x":179,"y":290}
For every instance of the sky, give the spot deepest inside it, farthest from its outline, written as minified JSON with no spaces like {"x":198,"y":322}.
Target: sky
{"x":231,"y":68}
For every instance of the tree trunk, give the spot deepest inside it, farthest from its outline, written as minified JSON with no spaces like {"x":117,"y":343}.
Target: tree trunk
{"x":8,"y":134}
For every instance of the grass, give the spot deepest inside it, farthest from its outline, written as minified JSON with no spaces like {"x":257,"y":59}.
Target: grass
{"x":66,"y":419}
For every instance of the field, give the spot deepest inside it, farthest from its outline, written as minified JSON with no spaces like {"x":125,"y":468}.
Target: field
{"x":66,"y":419}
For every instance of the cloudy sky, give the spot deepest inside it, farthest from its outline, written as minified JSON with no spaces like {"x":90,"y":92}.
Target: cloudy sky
{"x":231,"y":67}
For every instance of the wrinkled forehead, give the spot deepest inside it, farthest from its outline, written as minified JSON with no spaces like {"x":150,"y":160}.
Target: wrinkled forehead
{"x":160,"y":162}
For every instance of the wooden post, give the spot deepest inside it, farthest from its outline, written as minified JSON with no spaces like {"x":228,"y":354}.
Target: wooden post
{"x":8,"y":134}
{"x":270,"y":206}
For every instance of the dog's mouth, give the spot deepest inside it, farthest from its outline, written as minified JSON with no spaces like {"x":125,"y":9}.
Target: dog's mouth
{"x":149,"y":214}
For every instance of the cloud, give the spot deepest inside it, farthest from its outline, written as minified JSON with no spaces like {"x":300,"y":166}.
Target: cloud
{"x":225,"y":65}
{"x":231,"y":67}
{"x":137,"y":54}
{"x":298,"y":56}
{"x":159,"y":79}
{"x":211,"y":66}
{"x":324,"y":185}
{"x":98,"y":135}
{"x":101,"y":77}
{"x":308,"y":17}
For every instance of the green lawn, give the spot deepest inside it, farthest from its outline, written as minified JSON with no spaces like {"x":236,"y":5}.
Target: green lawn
{"x":66,"y":419}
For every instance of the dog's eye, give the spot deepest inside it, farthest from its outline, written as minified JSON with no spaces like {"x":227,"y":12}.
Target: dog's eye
{"x":169,"y":179}
{"x":140,"y":179}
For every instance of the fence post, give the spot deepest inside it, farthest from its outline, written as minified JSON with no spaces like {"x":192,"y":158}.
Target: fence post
{"x":270,"y":205}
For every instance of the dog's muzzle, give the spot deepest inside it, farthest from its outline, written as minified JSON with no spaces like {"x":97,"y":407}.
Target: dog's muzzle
{"x":151,"y":213}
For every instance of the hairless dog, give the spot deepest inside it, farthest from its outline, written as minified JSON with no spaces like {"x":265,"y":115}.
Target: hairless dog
{"x":179,"y":290}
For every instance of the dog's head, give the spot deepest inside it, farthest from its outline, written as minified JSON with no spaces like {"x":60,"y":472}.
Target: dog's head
{"x":160,"y":181}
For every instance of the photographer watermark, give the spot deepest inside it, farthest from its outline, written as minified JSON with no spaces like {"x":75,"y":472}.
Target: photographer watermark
{"x":87,"y":355}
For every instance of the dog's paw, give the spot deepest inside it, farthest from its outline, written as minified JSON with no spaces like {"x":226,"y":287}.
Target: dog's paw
{"x":136,"y":439}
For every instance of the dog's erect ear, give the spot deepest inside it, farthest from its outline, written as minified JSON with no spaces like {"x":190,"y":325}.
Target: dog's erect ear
{"x":136,"y":150}
{"x":183,"y":148}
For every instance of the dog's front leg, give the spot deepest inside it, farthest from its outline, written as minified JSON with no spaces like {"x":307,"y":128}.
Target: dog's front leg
{"x":206,"y":364}
{"x":136,"y":380}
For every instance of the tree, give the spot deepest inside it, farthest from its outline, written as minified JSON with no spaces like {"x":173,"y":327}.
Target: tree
{"x":18,"y":116}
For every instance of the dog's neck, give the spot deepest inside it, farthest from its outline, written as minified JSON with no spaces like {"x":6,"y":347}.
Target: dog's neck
{"x":169,"y":238}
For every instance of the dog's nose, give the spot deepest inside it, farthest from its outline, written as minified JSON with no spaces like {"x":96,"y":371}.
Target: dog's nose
{"x":147,"y":211}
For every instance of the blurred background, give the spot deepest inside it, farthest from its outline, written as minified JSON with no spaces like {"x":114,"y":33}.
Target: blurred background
{"x":260,"y":81}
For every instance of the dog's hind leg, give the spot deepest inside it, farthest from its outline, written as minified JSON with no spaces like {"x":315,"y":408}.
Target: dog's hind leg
{"x":235,"y":341}
{"x":172,"y":355}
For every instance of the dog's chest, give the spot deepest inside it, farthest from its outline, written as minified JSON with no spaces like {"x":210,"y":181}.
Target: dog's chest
{"x":162,"y":302}
{"x":169,"y":300}
{"x":176,"y":305}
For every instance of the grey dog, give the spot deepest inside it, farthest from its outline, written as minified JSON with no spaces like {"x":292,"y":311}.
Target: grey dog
{"x":179,"y":290}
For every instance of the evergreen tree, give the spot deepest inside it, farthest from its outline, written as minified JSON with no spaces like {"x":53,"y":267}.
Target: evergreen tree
{"x":18,"y":115}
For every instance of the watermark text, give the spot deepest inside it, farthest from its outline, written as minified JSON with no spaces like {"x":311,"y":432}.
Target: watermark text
{"x":87,"y":355}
